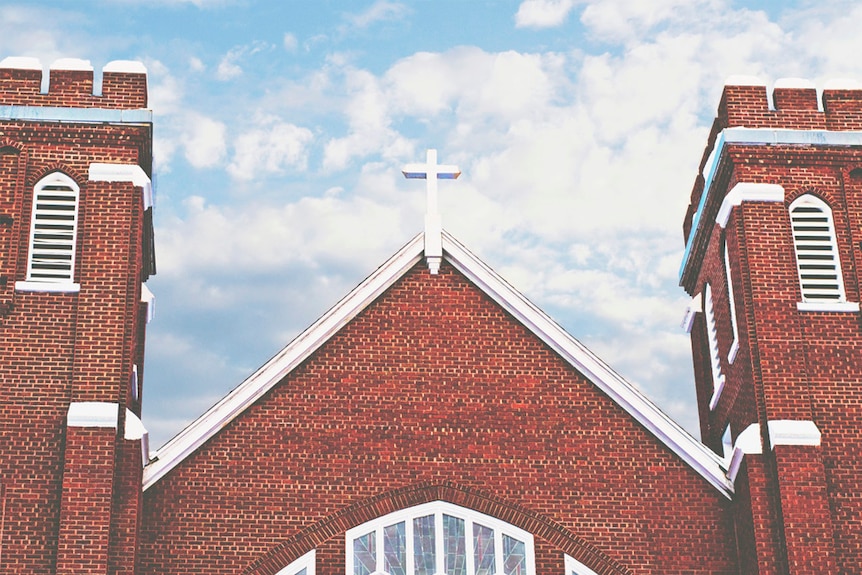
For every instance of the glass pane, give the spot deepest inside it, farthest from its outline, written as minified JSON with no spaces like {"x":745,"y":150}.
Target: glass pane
{"x":364,"y":555}
{"x":395,"y":549}
{"x":423,"y":545}
{"x":514,"y":556}
{"x":455,"y":544}
{"x":302,"y":571}
{"x":483,"y":549}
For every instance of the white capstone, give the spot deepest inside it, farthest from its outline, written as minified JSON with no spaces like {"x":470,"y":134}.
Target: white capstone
{"x":798,"y":83}
{"x":125,"y":66}
{"x":21,"y":63}
{"x":72,"y":64}
{"x":842,"y":84}
{"x":92,"y":414}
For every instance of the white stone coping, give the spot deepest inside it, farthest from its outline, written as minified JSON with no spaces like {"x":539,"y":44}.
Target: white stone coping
{"x":100,"y":172}
{"x":92,"y":414}
{"x":148,"y":298}
{"x":842,"y":84}
{"x":134,"y":427}
{"x":795,"y":83}
{"x":748,"y":442}
{"x":747,"y":192}
{"x":717,"y":389}
{"x":691,"y":311}
{"x":21,"y":63}
{"x":72,"y":64}
{"x":125,"y":66}
{"x":793,"y":432}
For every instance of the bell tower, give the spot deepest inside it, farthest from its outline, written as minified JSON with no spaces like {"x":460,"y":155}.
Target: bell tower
{"x":773,"y":244}
{"x":76,"y":247}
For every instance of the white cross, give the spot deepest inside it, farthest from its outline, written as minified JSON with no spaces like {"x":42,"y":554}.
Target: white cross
{"x":431,"y":171}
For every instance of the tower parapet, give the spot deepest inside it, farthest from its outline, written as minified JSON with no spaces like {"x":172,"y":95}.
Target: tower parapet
{"x":70,"y":84}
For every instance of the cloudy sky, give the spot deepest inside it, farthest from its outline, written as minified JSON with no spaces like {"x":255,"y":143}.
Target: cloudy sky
{"x":281,"y":128}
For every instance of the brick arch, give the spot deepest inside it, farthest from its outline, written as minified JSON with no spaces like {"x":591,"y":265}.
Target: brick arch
{"x":426,"y":492}
{"x":43,"y":171}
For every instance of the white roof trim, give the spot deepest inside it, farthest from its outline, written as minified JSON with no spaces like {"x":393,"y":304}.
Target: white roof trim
{"x":265,"y":378}
{"x":698,"y":456}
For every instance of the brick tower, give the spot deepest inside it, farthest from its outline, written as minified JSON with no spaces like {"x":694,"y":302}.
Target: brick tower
{"x":773,"y":237}
{"x":75,"y":249}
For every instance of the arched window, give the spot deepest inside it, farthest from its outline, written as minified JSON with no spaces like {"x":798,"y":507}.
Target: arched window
{"x":53,"y":230}
{"x":816,"y":251}
{"x":302,"y":566}
{"x":439,"y":537}
{"x":575,"y":567}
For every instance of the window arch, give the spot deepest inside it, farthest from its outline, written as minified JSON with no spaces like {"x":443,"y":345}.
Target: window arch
{"x":439,"y":537}
{"x":814,"y":243}
{"x":53,"y":230}
{"x":302,"y":566}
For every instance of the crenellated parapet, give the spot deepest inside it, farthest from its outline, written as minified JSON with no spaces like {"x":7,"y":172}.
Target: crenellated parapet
{"x":70,"y":84}
{"x":794,"y":105}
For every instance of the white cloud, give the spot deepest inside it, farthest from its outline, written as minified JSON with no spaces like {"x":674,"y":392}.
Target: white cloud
{"x":203,"y":141}
{"x":380,"y":11}
{"x":270,"y":148}
{"x":542,"y":13}
{"x":289,"y":42}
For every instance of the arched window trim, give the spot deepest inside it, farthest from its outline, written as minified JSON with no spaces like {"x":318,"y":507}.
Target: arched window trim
{"x":302,"y":566}
{"x":815,"y":244}
{"x":61,"y":209}
{"x":575,"y":567}
{"x":438,"y":509}
{"x":712,"y":339}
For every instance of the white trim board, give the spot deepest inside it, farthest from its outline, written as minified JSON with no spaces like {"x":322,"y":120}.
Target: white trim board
{"x":708,"y":464}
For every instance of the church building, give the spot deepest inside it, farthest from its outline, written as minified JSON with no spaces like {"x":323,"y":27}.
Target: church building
{"x":433,"y":421}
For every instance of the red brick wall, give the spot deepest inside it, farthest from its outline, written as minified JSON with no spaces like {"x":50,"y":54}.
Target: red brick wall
{"x":62,"y":347}
{"x":792,"y":365}
{"x":434,"y":385}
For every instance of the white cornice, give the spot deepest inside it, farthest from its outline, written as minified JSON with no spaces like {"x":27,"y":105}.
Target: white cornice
{"x":133,"y":173}
{"x":699,"y":457}
{"x":747,"y":192}
{"x":758,"y":136}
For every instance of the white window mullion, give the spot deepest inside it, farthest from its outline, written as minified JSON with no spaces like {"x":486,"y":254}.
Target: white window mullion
{"x":498,"y":552}
{"x":410,"y":561}
{"x":439,"y":544}
{"x":468,"y":547}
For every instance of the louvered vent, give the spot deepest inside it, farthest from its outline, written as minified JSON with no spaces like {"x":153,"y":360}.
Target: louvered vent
{"x":712,"y":338}
{"x":816,"y":253}
{"x":52,"y":240}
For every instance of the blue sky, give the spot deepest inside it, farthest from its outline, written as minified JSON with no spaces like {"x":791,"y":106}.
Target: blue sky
{"x":281,"y":128}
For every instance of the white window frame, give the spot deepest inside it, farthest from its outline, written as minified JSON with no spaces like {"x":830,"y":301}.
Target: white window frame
{"x":65,"y":283}
{"x":575,"y":567}
{"x":833,"y":299}
{"x":714,"y":354}
{"x":306,"y":562}
{"x":438,"y":509}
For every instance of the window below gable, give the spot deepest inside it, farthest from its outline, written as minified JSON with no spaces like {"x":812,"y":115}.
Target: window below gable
{"x":302,"y":566}
{"x":439,"y":537}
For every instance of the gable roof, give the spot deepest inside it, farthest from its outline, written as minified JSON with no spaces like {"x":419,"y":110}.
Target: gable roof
{"x":680,"y":442}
